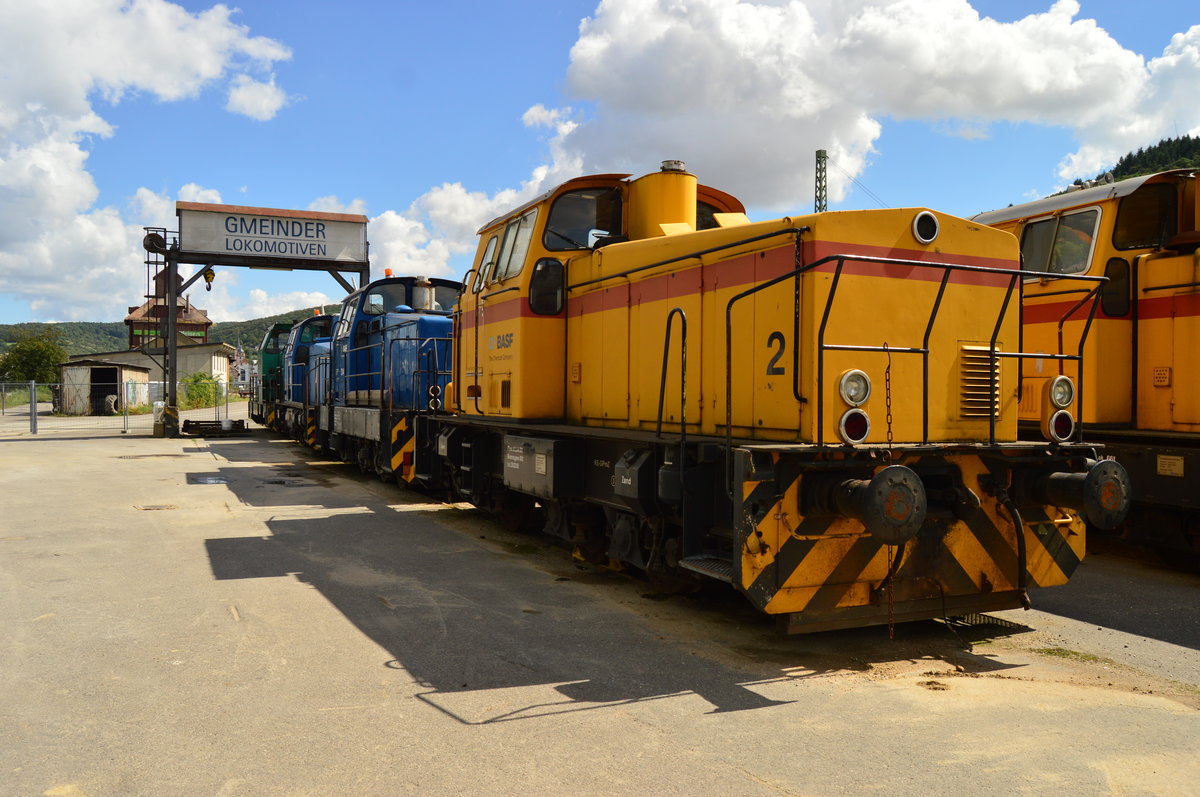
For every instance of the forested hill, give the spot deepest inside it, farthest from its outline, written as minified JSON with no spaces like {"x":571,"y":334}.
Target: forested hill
{"x":89,"y":337}
{"x":251,"y":332}
{"x":1170,"y":153}
{"x":77,"y":337}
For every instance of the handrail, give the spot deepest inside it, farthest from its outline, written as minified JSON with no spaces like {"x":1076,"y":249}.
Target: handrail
{"x":662,"y":385}
{"x":690,"y":256}
{"x":1149,"y":288}
{"x":1013,"y":276}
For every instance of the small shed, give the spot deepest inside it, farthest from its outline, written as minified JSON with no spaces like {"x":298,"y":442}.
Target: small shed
{"x":102,"y":387}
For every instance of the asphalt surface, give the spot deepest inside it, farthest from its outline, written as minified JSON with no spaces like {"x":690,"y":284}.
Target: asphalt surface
{"x":237,"y":617}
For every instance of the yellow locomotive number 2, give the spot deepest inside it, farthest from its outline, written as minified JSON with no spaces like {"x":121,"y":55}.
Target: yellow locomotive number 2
{"x":772,"y":368}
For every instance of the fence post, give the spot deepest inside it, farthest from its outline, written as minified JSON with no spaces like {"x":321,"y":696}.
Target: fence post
{"x":32,"y":407}
{"x":125,"y":403}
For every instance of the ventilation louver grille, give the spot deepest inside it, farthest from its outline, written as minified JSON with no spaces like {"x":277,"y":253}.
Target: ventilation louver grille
{"x":976,"y":383}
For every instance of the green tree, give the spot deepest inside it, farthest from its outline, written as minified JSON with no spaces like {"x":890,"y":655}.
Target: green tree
{"x":34,"y":357}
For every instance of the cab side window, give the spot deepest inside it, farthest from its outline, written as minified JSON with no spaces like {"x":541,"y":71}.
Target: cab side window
{"x":346,"y":316}
{"x":1062,"y":245}
{"x":486,"y":265}
{"x":1147,"y":217}
{"x":517,"y":235}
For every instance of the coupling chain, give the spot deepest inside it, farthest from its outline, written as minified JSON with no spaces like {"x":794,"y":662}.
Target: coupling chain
{"x":887,"y":385}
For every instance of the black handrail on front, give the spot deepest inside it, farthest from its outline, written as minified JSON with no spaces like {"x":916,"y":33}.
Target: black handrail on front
{"x":428,"y":366}
{"x":1014,"y":280}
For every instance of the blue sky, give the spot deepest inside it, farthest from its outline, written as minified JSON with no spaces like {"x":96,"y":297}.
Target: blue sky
{"x":431,"y":118}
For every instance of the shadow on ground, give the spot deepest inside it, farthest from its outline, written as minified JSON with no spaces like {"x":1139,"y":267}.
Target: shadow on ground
{"x":468,"y":609}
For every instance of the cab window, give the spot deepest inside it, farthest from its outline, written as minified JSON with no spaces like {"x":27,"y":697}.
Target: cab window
{"x":517,"y":235}
{"x":1147,"y":217}
{"x":346,"y":315}
{"x":486,"y":264}
{"x":386,"y":298}
{"x":578,"y":218}
{"x":445,"y":296}
{"x":313,"y":330}
{"x":1062,"y":245}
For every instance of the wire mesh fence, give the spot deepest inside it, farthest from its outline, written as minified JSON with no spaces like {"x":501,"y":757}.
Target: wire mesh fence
{"x":112,"y":407}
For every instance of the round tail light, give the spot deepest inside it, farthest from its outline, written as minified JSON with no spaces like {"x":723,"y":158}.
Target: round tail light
{"x":854,"y":426}
{"x":1061,"y":426}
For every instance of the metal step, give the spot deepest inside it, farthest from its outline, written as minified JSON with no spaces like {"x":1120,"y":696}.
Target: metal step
{"x":711,"y":566}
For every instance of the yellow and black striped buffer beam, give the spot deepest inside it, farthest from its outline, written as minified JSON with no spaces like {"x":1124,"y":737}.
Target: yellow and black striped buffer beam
{"x":822,"y":562}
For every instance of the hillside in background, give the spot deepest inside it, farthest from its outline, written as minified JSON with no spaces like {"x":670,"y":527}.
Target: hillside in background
{"x":77,"y":337}
{"x":1170,"y":153}
{"x":251,"y":332}
{"x":90,"y":337}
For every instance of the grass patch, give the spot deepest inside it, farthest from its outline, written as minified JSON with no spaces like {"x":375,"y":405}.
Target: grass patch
{"x":1073,"y":655}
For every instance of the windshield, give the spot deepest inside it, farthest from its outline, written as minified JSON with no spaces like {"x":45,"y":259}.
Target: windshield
{"x":385,"y":298}
{"x":578,"y":218}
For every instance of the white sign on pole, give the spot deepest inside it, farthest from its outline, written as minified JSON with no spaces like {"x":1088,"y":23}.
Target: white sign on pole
{"x":232,"y":230}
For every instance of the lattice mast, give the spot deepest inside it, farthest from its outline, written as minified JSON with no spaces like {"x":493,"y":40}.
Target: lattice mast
{"x":821,"y":195}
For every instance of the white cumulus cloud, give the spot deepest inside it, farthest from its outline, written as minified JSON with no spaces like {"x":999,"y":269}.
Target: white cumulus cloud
{"x":746,"y":91}
{"x":254,"y":98}
{"x":331,"y":204}
{"x":68,"y":258}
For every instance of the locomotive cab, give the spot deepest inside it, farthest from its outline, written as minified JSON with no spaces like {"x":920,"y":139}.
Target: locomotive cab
{"x":267,"y":388}
{"x":363,"y":324}
{"x":318,"y":328}
{"x":512,"y":357}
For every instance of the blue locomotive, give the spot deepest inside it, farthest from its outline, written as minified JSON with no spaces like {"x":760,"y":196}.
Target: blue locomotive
{"x":359,"y":383}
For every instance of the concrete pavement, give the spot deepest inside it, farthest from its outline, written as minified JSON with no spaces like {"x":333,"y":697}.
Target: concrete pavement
{"x":238,"y":617}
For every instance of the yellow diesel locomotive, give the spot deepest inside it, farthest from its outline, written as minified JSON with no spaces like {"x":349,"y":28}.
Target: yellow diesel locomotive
{"x":1140,"y":345}
{"x":819,"y":410}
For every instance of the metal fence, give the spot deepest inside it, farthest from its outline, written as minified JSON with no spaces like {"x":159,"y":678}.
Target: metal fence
{"x":110,"y":408}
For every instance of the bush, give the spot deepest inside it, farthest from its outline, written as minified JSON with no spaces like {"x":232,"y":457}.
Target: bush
{"x":200,"y":390}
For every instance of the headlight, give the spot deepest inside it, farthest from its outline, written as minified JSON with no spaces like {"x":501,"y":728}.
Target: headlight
{"x":1062,"y":392}
{"x":925,"y":227}
{"x":855,"y":387}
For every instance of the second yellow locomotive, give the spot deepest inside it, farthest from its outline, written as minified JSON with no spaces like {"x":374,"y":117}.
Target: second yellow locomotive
{"x":1140,"y":344}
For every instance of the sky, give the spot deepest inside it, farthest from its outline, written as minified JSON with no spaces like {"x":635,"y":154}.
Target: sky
{"x":432,"y":118}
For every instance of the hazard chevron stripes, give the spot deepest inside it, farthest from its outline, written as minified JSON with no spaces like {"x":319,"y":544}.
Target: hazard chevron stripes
{"x":403,"y":441}
{"x":824,"y":564}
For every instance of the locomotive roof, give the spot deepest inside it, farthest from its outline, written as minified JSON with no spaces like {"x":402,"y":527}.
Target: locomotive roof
{"x":705,"y":192}
{"x":545,"y":196}
{"x":1086,"y":196}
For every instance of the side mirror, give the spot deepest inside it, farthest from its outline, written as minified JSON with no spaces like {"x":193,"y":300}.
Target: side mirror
{"x":546,"y":287}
